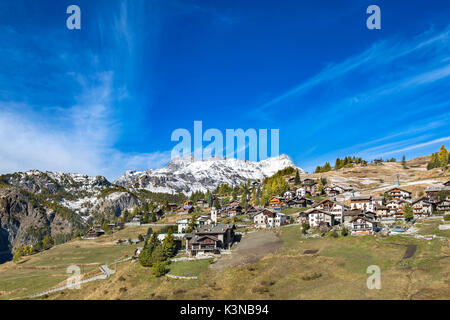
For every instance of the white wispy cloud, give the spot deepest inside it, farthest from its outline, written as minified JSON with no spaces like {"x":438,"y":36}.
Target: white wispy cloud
{"x":62,"y":112}
{"x":416,"y":146}
{"x":381,"y":53}
{"x":80,"y":139}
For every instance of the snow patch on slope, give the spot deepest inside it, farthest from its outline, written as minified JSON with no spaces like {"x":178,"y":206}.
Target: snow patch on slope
{"x":186,"y":175}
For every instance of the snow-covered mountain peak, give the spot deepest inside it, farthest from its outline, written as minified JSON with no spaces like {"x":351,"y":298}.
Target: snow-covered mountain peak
{"x":186,"y":175}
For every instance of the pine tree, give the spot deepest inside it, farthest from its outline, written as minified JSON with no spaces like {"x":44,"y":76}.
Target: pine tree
{"x":434,"y":160}
{"x":169,"y":245}
{"x":297,"y":178}
{"x":152,"y":243}
{"x":159,"y":269}
{"x":192,"y":223}
{"x":408,"y":212}
{"x":217,"y":203}
{"x":337,"y":164}
{"x":145,"y":258}
{"x":158,"y":255}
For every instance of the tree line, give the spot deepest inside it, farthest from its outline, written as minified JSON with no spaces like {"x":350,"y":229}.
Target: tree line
{"x":439,"y":159}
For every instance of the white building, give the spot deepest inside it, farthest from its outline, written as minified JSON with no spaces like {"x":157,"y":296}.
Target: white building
{"x":182,"y":225}
{"x":300,"y":192}
{"x":288,"y":195}
{"x":336,"y":208}
{"x":269,"y":219}
{"x":364,"y":203}
{"x":317,"y":216}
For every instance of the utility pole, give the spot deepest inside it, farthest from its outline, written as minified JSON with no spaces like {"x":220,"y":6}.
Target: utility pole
{"x":398,"y":178}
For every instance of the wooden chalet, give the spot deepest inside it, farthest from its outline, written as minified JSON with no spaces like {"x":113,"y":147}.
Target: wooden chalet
{"x":423,"y":206}
{"x":231,"y":210}
{"x":334,"y":207}
{"x":377,"y":161}
{"x":94,"y":232}
{"x":209,"y":239}
{"x":362,"y":225}
{"x":173,"y":207}
{"x":185,"y":210}
{"x":299,"y":202}
{"x":276,"y":202}
{"x":252,"y":211}
{"x":443,"y":206}
{"x":159,"y":213}
{"x":432,"y":193}
{"x":350,"y":215}
{"x":202,"y":203}
{"x":381,"y":210}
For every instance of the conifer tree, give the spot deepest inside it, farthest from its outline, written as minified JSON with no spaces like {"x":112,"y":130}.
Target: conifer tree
{"x":297,"y":178}
{"x":408,"y":212}
{"x":169,"y":245}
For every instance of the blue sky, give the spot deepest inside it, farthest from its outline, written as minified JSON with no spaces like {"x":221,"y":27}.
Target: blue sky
{"x":107,"y":98}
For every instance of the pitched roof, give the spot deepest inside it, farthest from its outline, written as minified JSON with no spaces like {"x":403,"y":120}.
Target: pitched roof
{"x":363,"y":218}
{"x":197,"y":239}
{"x":363,"y":197}
{"x":214,"y":229}
{"x":311,"y":211}
{"x":334,"y":201}
{"x":437,"y":189}
{"x":354,"y":212}
{"x":398,"y":189}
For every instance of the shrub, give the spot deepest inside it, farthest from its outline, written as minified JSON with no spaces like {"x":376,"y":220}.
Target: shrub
{"x":447,"y":217}
{"x":305,"y":227}
{"x":334,"y":234}
{"x":344,"y":231}
{"x":260,"y":290}
{"x":311,"y":276}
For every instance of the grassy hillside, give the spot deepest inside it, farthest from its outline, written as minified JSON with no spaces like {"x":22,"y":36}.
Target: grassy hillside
{"x":47,"y":269}
{"x":284,"y":271}
{"x":375,"y":179}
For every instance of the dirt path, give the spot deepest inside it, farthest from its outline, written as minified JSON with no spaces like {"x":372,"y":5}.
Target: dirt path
{"x":252,"y":248}
{"x":410,"y":249}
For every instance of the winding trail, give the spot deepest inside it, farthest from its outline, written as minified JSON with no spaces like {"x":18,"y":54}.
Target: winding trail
{"x":103,"y":268}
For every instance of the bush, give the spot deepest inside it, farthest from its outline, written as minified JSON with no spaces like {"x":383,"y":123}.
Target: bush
{"x":447,"y":217}
{"x":311,"y":276}
{"x":344,"y":231}
{"x":334,"y":234}
{"x":305,"y":227}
